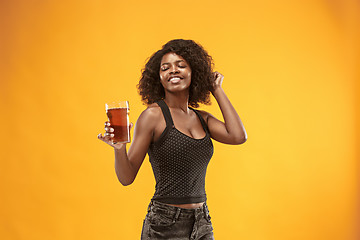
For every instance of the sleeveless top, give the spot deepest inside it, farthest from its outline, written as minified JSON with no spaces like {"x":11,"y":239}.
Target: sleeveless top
{"x":179,"y":163}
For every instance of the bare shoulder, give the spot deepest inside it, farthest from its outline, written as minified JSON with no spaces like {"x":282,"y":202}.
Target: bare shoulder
{"x":205,"y":115}
{"x":150,"y":115}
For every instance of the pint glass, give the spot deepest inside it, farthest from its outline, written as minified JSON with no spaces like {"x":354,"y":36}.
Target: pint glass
{"x":118,"y":114}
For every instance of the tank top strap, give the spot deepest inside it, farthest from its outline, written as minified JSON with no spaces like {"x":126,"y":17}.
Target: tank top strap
{"x":201,"y":120}
{"x":166,"y":112}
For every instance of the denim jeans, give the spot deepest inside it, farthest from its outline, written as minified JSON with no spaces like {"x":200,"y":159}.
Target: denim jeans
{"x":169,"y":222}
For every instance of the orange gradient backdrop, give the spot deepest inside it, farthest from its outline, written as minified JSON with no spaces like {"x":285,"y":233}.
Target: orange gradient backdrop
{"x":291,"y":70}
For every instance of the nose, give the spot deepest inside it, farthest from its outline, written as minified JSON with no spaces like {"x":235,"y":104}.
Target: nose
{"x":174,"y":69}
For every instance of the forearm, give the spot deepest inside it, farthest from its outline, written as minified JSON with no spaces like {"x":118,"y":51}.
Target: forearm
{"x":232,"y":121}
{"x":123,"y":168}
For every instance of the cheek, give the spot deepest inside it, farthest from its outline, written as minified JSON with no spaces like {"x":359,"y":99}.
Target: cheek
{"x":162,"y":77}
{"x":189,"y":75}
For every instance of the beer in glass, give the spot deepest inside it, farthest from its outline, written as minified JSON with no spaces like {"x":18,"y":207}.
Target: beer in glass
{"x":118,"y":115}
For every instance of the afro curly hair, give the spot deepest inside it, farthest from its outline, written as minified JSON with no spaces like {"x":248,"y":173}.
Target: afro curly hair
{"x":201,"y":64}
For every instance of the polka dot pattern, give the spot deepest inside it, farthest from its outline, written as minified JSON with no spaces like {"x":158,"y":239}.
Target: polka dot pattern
{"x":179,"y":164}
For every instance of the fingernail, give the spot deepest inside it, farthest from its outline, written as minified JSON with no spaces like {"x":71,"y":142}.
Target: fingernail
{"x":112,"y":135}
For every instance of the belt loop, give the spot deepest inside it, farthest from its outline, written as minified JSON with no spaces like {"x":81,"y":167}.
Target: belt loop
{"x":150,"y":205}
{"x":178,"y":210}
{"x":206,"y":211}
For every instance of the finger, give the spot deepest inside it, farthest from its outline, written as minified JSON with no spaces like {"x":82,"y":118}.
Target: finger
{"x":107,"y":139}
{"x":131,"y":125}
{"x":109,"y":129}
{"x":110,"y":135}
{"x":107,"y":124}
{"x":104,"y":138}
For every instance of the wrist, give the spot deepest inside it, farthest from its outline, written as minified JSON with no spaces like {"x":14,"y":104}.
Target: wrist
{"x":217,"y":90}
{"x":119,"y":147}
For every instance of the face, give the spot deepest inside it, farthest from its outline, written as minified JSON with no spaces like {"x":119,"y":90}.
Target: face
{"x":175,"y":73}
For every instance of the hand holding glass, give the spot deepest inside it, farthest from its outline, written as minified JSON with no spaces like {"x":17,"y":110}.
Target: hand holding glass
{"x":118,"y":115}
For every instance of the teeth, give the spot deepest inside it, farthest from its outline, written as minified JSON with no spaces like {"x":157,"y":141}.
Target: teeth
{"x":175,"y":79}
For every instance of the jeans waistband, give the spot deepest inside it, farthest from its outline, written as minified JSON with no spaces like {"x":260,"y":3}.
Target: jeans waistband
{"x":178,"y":210}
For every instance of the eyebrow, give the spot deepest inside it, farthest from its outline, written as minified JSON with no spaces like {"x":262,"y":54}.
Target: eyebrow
{"x":175,"y":62}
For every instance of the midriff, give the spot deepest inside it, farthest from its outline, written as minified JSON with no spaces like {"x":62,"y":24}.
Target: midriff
{"x":188,"y":206}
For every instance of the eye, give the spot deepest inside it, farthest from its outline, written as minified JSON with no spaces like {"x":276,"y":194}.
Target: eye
{"x":164,"y":68}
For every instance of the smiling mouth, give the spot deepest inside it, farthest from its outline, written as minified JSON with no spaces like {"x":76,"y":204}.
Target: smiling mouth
{"x":174,"y":79}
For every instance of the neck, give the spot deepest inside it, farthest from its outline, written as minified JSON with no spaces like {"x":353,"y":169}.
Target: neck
{"x":178,"y":100}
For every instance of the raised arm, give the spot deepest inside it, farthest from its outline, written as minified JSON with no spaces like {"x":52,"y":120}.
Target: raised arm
{"x":127,"y":164}
{"x":232,"y":130}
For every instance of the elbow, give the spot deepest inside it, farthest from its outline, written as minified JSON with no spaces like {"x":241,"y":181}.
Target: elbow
{"x":126,"y":183}
{"x":239,"y":139}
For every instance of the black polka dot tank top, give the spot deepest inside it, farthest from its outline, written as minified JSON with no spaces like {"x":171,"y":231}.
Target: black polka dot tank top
{"x":179,"y":163}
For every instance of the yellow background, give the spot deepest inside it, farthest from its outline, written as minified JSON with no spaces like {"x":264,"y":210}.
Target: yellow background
{"x":291,"y":70}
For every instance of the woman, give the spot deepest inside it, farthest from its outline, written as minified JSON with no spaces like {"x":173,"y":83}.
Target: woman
{"x":177,"y":139}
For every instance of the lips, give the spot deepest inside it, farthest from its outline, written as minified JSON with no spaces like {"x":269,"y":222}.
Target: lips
{"x":175,"y":79}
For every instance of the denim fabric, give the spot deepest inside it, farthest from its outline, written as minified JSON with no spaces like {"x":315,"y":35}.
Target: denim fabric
{"x":169,"y":222}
